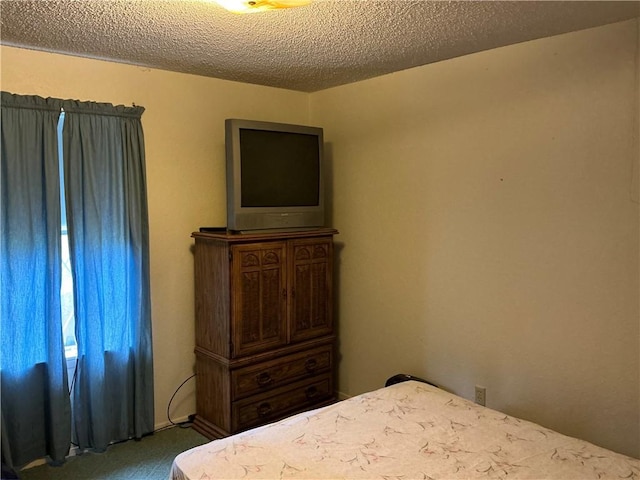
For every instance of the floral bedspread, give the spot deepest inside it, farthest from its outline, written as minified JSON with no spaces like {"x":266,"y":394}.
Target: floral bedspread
{"x":407,"y":431}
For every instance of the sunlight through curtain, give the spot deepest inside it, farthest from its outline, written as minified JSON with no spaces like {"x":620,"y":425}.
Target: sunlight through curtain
{"x":107,"y":221}
{"x":107,"y":218}
{"x":35,"y":401}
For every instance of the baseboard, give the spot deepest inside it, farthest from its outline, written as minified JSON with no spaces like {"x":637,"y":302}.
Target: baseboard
{"x":35,"y":463}
{"x":343,"y":396}
{"x":167,"y":423}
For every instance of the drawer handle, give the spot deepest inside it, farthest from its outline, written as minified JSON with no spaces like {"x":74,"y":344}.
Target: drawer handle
{"x":312,"y":392}
{"x":263,"y":379}
{"x":264,"y":409}
{"x":311,"y":365}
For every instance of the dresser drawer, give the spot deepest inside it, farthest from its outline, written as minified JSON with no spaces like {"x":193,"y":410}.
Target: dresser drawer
{"x":282,"y":371}
{"x":281,"y":402}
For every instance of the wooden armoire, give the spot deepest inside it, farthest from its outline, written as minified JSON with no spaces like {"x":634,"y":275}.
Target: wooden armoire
{"x":264,"y":327}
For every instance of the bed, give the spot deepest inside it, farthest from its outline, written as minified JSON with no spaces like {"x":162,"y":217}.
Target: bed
{"x":408,"y":430}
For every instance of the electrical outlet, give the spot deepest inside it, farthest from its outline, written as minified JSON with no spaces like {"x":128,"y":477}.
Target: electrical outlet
{"x":481,"y":395}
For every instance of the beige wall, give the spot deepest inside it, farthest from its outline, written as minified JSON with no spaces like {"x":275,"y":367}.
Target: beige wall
{"x":489,"y":222}
{"x":184,"y":139}
{"x":490,"y":229}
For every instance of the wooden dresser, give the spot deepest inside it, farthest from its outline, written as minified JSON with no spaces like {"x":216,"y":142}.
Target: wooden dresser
{"x":264,"y":327}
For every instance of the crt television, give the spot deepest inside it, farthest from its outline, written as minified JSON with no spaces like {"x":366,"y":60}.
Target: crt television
{"x":274,"y":175}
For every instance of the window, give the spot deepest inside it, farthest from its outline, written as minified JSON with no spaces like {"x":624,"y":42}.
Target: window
{"x":66,"y":286}
{"x":66,"y":301}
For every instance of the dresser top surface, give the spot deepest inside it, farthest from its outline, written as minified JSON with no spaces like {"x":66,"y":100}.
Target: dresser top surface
{"x":229,"y":236}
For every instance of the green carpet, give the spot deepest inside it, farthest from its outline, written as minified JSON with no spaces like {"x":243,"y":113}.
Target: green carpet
{"x":147,"y":459}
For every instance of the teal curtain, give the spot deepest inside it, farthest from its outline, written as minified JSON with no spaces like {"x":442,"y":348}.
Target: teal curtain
{"x":33,"y":375}
{"x":107,"y":220}
{"x":107,"y":223}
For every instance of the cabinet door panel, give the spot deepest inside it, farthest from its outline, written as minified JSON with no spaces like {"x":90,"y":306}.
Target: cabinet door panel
{"x":259,"y":313}
{"x":311,"y":296}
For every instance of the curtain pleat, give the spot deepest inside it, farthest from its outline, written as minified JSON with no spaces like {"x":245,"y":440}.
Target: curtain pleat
{"x":107,"y":219}
{"x":35,"y":406}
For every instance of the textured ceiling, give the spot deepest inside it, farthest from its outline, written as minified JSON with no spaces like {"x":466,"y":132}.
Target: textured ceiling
{"x":325,"y":44}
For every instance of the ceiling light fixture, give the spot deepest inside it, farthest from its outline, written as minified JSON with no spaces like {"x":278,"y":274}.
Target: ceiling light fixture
{"x":254,"y":6}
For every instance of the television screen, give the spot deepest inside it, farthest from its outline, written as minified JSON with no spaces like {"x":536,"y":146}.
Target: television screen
{"x":279,"y":169}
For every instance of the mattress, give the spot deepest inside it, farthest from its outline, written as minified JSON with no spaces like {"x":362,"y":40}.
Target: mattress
{"x":410,"y":430}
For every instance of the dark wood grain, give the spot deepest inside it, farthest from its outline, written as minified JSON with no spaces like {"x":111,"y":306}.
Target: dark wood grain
{"x":264,"y":327}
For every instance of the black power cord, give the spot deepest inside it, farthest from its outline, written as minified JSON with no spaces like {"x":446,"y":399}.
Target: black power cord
{"x":171,"y":400}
